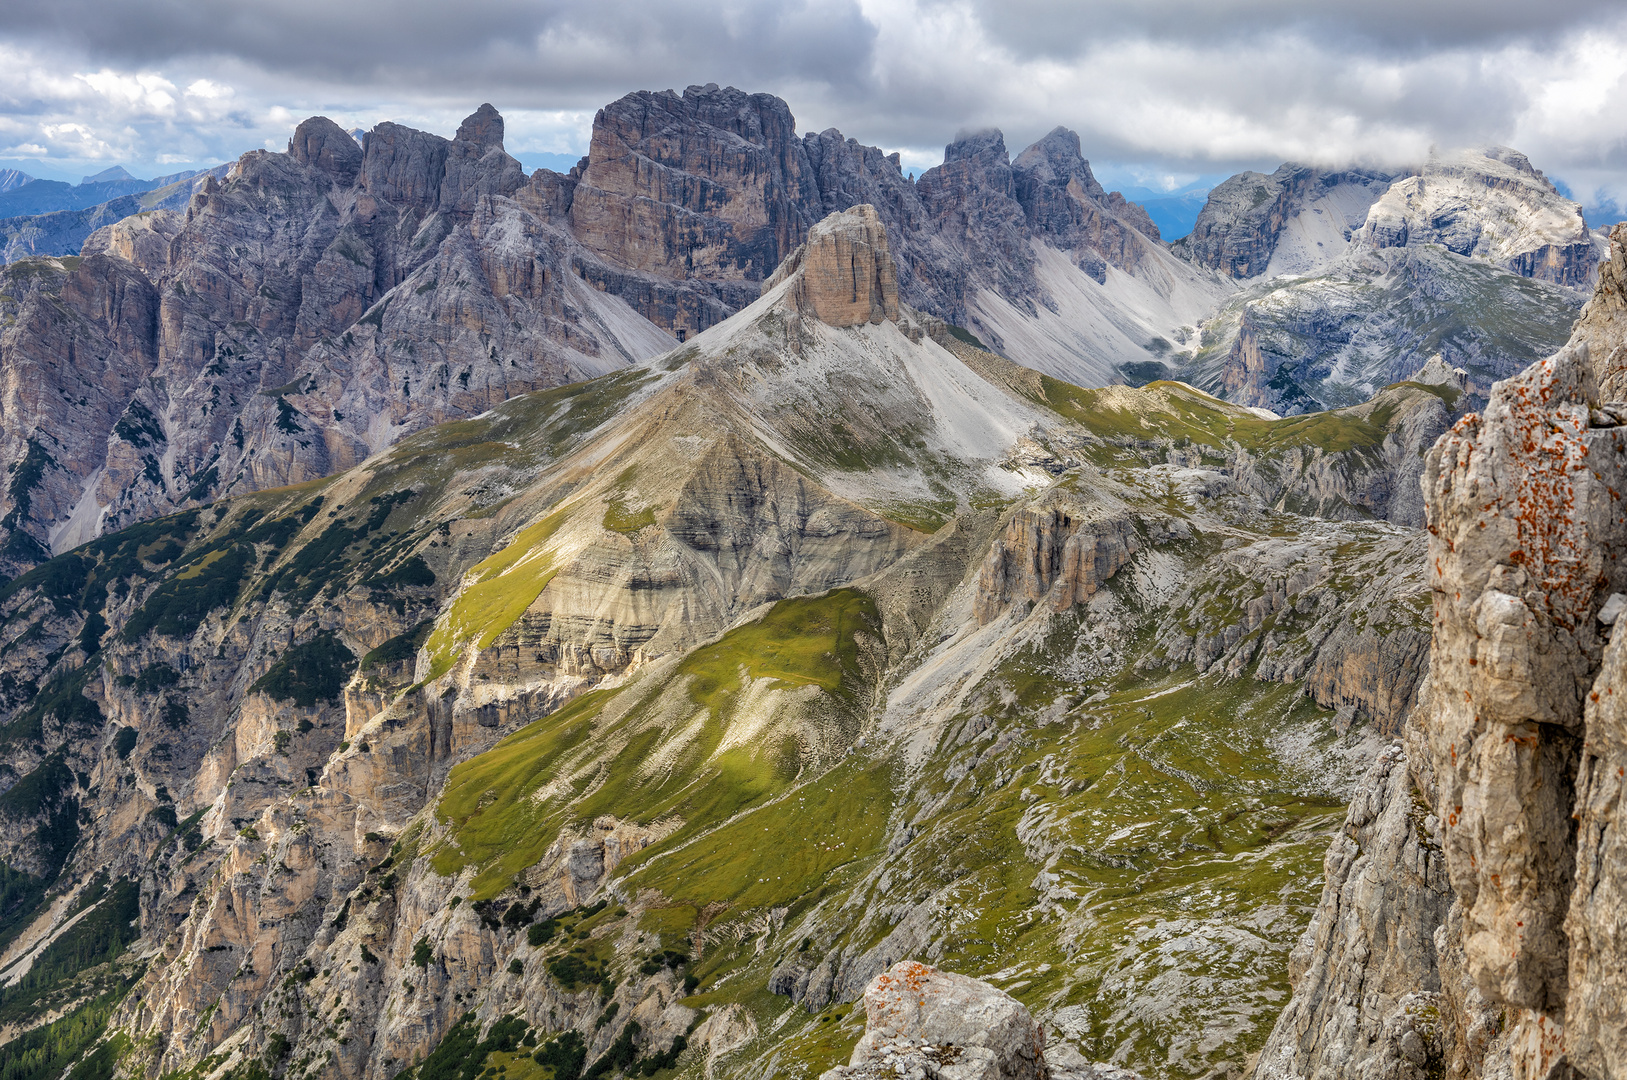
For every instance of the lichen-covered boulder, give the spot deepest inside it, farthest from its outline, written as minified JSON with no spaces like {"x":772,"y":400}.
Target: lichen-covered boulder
{"x":926,"y":1024}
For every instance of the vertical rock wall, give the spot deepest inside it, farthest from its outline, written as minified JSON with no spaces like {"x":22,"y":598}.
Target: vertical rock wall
{"x":1520,"y":748}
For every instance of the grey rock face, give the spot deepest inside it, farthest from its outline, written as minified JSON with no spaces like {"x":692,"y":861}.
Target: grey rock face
{"x":1366,"y":982}
{"x":1058,"y":553}
{"x":1596,"y":925}
{"x":1238,"y":230}
{"x":711,"y":189}
{"x":321,"y":144}
{"x":1603,"y":325}
{"x":1525,"y":542}
{"x":309,"y":310}
{"x":1301,"y":344}
{"x":1519,"y":750}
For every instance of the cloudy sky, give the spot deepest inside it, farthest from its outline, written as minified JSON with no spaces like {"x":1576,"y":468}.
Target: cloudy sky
{"x":1163,"y":90}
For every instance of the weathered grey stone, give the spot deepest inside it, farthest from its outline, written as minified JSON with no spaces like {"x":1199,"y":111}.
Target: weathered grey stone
{"x":1526,"y":538}
{"x":927,"y":1024}
{"x":1596,"y":925}
{"x":1365,"y":975}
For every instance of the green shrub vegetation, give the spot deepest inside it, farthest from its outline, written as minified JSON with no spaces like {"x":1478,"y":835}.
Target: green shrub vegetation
{"x":98,"y":937}
{"x":564,"y":1055}
{"x":413,"y":573}
{"x":400,"y":648}
{"x":313,"y":672}
{"x":462,"y":1054}
{"x":179,"y":606}
{"x":46,"y":1052}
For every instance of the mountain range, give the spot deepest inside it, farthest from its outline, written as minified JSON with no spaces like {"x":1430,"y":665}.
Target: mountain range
{"x":470,"y":624}
{"x":317,"y":305}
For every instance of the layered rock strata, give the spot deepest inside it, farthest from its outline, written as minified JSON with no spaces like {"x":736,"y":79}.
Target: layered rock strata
{"x":1058,"y":554}
{"x":847,"y":275}
{"x":307,"y":311}
{"x":1489,"y":204}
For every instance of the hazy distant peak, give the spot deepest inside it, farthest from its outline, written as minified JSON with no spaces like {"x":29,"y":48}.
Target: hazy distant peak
{"x":117,"y":172}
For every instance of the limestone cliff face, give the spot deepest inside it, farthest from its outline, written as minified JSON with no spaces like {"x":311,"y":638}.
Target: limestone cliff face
{"x":1487,"y":204}
{"x":708,"y":191}
{"x":1058,"y":554}
{"x":1237,"y":230}
{"x":1516,"y":750}
{"x":1596,"y":1000}
{"x":846,"y":273}
{"x":1367,"y":998}
{"x":1526,"y":531}
{"x":712,"y":183}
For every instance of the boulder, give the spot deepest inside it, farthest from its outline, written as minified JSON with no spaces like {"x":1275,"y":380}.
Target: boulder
{"x":926,"y":1024}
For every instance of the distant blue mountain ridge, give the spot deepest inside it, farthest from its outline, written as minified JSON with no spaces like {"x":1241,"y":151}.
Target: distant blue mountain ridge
{"x":23,"y":196}
{"x":53,"y":217}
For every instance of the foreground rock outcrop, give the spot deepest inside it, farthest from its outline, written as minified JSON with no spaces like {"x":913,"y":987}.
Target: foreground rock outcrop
{"x":1516,"y":756}
{"x":1367,"y":998}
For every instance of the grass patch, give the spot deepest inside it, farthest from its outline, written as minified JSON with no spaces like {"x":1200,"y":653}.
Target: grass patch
{"x":505,"y":583}
{"x":619,"y":518}
{"x":598,"y":768}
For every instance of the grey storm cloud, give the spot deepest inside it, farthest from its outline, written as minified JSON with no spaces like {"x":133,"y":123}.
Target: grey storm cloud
{"x":1175,"y":84}
{"x":575,"y":49}
{"x":1053,"y":28}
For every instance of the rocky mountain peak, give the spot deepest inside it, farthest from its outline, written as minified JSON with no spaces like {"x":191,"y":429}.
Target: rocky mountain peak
{"x":476,"y":164}
{"x":845,"y":272}
{"x":403,"y":166}
{"x":321,"y":144}
{"x":986,"y":148}
{"x":1056,"y":159}
{"x":1515,"y":160}
{"x":1490,"y":205}
{"x":483,"y":128}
